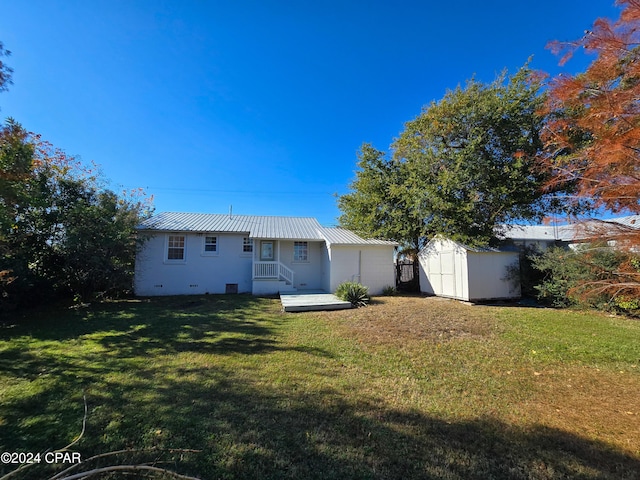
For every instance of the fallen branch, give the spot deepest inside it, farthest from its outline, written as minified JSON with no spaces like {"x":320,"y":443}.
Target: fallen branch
{"x":63,"y":475}
{"x":128,"y":468}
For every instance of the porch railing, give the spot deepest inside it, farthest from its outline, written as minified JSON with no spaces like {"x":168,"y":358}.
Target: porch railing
{"x":266,"y":270}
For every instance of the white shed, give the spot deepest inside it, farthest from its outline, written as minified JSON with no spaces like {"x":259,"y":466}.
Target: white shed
{"x":450,"y":269}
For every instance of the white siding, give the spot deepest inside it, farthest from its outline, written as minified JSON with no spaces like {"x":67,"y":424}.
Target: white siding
{"x":326,"y":269}
{"x":308,"y":275}
{"x":369,"y":265}
{"x":201,"y":272}
{"x":451,"y":270}
{"x":488,"y":275}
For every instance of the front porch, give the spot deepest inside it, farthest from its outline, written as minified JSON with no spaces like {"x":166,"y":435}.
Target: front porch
{"x":286,"y":266}
{"x":269,"y":277}
{"x":311,"y":300}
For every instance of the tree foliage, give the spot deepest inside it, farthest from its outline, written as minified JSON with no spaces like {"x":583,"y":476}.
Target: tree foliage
{"x":464,"y":166}
{"x":470,"y":157}
{"x":584,"y":277}
{"x":6,"y":72}
{"x":378,"y":205}
{"x":592,"y":137}
{"x":61,"y":233}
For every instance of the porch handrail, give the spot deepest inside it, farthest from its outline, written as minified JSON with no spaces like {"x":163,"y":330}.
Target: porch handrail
{"x":264,"y":270}
{"x":285,"y":273}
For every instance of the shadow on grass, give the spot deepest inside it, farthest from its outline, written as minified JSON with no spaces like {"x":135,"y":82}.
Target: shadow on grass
{"x":207,"y":324}
{"x":246,"y":426}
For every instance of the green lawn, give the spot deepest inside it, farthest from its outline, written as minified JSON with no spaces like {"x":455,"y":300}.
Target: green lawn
{"x":230,"y":387}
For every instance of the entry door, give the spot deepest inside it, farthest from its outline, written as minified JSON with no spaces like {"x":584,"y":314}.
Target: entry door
{"x":266,"y":251}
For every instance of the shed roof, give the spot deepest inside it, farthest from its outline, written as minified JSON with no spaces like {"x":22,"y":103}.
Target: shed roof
{"x":272,"y":227}
{"x":438,"y":240}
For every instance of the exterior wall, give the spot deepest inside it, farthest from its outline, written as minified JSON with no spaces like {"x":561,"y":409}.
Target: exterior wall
{"x":204,"y":272}
{"x":488,"y":275}
{"x":199,"y":273}
{"x":307,"y":275}
{"x":539,"y":245}
{"x":267,"y":287}
{"x":370,"y":265}
{"x":326,"y":269}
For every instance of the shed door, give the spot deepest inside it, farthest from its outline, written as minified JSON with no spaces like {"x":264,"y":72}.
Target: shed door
{"x":448,"y":274}
{"x":441,"y":272}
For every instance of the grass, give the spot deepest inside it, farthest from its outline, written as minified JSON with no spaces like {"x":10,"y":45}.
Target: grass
{"x":406,"y":388}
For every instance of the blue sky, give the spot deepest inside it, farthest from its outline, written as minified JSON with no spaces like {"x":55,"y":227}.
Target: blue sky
{"x":257,"y":104}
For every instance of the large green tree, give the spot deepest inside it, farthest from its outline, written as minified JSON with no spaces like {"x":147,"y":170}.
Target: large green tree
{"x":378,"y":205}
{"x":61,"y":232}
{"x":462,"y":168}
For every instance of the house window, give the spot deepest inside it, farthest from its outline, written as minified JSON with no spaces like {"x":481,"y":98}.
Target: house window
{"x":210,"y":245}
{"x":266,"y":251}
{"x":247,"y":245}
{"x":175,"y":247}
{"x":300,"y":251}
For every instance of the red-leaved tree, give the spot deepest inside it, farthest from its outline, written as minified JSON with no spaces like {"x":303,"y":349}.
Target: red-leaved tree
{"x":593,"y":132}
{"x":592,"y":137}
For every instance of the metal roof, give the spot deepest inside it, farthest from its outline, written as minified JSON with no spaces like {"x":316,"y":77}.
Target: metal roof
{"x":432,"y":244}
{"x":342,"y":236}
{"x":632,"y":221}
{"x":570,"y":232}
{"x":292,"y":228}
{"x":284,"y":228}
{"x":539,"y":232}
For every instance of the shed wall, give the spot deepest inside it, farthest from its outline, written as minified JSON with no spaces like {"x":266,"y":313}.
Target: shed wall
{"x":451,"y":270}
{"x":488,"y":275}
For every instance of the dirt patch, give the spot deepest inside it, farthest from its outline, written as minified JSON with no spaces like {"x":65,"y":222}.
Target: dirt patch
{"x":402,"y":319}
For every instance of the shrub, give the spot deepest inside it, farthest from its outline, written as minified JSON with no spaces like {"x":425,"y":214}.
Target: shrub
{"x":353,"y":292}
{"x":389,"y":291}
{"x":593,"y":276}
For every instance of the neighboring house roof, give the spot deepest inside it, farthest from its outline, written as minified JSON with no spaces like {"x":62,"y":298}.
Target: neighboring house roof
{"x":632,"y":221}
{"x":272,"y":227}
{"x":567,"y":233}
{"x":564,"y":233}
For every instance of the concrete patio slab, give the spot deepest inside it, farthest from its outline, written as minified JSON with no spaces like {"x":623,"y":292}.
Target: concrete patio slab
{"x":310,"y":301}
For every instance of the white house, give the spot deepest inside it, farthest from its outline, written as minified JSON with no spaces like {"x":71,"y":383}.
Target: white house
{"x":450,"y":269}
{"x":194,"y":253}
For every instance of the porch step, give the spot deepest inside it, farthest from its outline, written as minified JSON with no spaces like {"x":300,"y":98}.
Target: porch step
{"x":305,"y":301}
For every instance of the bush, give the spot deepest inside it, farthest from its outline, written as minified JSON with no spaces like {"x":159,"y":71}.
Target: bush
{"x":595,"y":276}
{"x":389,"y":291}
{"x":353,"y":292}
